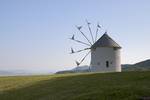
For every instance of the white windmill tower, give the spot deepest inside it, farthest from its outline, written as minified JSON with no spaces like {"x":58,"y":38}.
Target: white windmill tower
{"x":105,"y":55}
{"x":105,"y":52}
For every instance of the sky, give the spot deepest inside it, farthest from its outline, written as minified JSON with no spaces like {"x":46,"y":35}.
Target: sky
{"x":34,"y":33}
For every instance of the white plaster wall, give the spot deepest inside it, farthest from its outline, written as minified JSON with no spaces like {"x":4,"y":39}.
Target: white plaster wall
{"x":100,"y":55}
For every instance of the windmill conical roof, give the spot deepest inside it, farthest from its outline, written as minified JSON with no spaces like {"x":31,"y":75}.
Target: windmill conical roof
{"x":105,"y":41}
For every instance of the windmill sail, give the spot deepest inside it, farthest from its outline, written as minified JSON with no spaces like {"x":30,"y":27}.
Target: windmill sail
{"x":98,"y":26}
{"x":72,"y":51}
{"x":72,"y":37}
{"x":79,"y":27}
{"x":77,"y":63}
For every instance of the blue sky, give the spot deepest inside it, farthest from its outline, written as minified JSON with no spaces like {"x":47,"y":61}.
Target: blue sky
{"x":34,"y":33}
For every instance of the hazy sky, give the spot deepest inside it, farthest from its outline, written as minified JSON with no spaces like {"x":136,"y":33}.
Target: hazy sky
{"x":34,"y":33}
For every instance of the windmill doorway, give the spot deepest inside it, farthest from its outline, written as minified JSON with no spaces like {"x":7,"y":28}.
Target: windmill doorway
{"x":107,"y":64}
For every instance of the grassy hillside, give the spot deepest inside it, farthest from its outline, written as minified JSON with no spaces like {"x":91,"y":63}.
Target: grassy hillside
{"x":93,"y":86}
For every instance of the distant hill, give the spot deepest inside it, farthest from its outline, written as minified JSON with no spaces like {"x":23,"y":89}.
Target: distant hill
{"x":17,"y":72}
{"x":2,"y":72}
{"x":140,"y":66}
{"x":79,"y":69}
{"x":14,"y":72}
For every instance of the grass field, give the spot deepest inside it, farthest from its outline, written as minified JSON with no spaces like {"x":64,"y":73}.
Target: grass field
{"x":93,"y":86}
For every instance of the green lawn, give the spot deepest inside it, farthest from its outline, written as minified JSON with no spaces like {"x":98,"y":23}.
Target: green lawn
{"x":93,"y":86}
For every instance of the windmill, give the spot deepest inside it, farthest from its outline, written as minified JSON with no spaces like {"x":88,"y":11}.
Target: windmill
{"x":105,"y":52}
{"x":89,"y":41}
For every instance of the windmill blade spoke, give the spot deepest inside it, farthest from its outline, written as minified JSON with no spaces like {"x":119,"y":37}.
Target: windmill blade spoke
{"x":80,"y":42}
{"x":82,"y":50}
{"x":98,"y":27}
{"x":79,"y":28}
{"x":72,"y":51}
{"x":90,"y":30}
{"x":96,"y":34}
{"x":84,"y":57}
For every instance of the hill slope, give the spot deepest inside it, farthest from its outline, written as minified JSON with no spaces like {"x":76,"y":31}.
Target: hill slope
{"x":92,"y":86}
{"x":140,"y":66}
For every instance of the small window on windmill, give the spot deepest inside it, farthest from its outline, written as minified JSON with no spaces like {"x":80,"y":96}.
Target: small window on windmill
{"x":107,"y":64}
